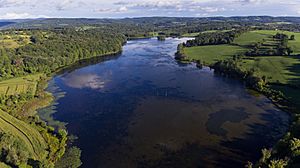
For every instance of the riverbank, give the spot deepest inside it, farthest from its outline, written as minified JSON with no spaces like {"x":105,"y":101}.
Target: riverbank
{"x":284,"y":145}
{"x":29,"y":100}
{"x":73,"y":153}
{"x":146,"y":86}
{"x":30,"y":137}
{"x":270,"y":79}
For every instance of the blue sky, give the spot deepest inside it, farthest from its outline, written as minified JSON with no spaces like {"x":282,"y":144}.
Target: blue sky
{"x":16,"y":9}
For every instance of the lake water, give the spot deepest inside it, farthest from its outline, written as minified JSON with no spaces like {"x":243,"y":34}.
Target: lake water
{"x":144,"y":109}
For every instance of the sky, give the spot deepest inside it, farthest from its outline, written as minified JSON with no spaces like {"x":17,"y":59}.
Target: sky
{"x":21,"y":9}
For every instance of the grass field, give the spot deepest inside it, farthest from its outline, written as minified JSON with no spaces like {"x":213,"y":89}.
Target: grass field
{"x":294,"y":44}
{"x":277,"y":69}
{"x":19,"y":85}
{"x":197,"y":33}
{"x":14,"y":40}
{"x":31,"y":138}
{"x":212,"y":53}
{"x":250,"y":38}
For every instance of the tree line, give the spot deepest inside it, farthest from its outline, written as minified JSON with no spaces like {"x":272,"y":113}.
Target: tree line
{"x":280,"y":49}
{"x":50,"y":50}
{"x":47,"y":51}
{"x":214,"y":38}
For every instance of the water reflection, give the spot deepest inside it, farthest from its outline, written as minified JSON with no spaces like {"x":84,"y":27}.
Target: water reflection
{"x":84,"y":81}
{"x":144,"y":109}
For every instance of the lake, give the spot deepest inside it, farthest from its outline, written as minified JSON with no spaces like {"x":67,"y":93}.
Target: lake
{"x":142,"y":108}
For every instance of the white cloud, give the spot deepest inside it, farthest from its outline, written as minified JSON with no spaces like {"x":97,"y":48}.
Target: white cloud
{"x":9,"y":3}
{"x":80,"y":81}
{"x":64,"y":4}
{"x":13,"y":15}
{"x":69,"y":4}
{"x":212,"y":9}
{"x":167,"y":4}
{"x":135,"y":8}
{"x":122,"y":9}
{"x":112,"y":10}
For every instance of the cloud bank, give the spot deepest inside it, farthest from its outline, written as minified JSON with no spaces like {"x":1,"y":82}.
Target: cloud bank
{"x":12,"y":9}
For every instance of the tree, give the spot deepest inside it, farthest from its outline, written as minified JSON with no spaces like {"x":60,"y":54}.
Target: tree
{"x":71,"y":159}
{"x":249,"y":165}
{"x":295,"y":147}
{"x":161,"y":38}
{"x":13,"y":150}
{"x":33,"y":39}
{"x":289,"y":51}
{"x":277,"y":164}
{"x":292,"y":37}
{"x":266,"y":154}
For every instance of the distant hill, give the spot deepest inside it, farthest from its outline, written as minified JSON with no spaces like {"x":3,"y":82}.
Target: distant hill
{"x":156,"y":21}
{"x":5,"y":23}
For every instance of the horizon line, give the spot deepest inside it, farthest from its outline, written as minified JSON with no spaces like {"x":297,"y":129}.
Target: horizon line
{"x":135,"y":17}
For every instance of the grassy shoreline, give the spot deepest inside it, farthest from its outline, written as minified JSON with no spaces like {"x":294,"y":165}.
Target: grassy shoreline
{"x":41,"y":99}
{"x":269,"y":75}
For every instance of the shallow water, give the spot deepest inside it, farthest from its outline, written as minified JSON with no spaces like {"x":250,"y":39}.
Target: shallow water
{"x":144,"y":109}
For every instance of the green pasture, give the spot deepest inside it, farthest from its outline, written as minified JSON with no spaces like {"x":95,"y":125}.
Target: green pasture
{"x":277,"y":69}
{"x":26,"y":84}
{"x":31,"y":138}
{"x":212,"y":53}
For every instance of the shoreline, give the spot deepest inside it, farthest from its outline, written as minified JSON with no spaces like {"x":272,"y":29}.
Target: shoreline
{"x":275,"y":96}
{"x":97,"y":59}
{"x":77,"y":64}
{"x":44,"y":99}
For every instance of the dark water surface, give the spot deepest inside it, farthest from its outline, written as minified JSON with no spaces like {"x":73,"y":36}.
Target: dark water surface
{"x":143,"y":109}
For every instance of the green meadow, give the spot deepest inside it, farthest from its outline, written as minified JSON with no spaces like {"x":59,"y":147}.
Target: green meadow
{"x":31,"y":138}
{"x":277,"y":69}
{"x":250,"y":38}
{"x":212,"y":53}
{"x":26,"y":84}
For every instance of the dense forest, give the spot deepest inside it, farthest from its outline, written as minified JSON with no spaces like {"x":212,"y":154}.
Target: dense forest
{"x":49,"y":50}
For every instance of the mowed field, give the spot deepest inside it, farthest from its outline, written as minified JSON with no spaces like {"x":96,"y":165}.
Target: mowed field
{"x":212,"y":53}
{"x":277,"y":69}
{"x":251,"y":38}
{"x":31,"y":138}
{"x":26,"y":84}
{"x":27,"y":134}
